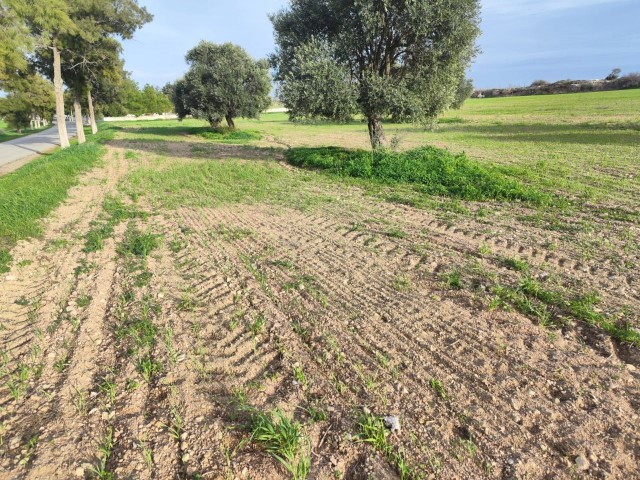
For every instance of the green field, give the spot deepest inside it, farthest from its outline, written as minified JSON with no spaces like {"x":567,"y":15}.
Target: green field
{"x":585,"y":146}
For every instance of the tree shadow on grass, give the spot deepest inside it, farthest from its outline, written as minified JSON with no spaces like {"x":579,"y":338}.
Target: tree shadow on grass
{"x":164,"y":131}
{"x":203,"y":150}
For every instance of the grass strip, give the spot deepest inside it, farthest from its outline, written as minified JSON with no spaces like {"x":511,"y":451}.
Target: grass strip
{"x":30,"y":193}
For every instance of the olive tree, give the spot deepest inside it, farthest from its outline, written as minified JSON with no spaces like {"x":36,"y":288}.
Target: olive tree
{"x":397,"y":58}
{"x":463,"y":91}
{"x":223,"y":81}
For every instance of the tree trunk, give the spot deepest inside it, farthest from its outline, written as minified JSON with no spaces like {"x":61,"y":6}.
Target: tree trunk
{"x":376,"y":132}
{"x":79,"y":123}
{"x":92,"y":115}
{"x":57,"y":86}
{"x":214,"y":122}
{"x":230,"y":121}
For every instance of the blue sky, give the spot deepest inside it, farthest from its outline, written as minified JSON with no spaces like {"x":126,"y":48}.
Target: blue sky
{"x":522,"y":40}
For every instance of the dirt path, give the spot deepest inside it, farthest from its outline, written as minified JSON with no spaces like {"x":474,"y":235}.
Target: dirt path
{"x":337,"y":311}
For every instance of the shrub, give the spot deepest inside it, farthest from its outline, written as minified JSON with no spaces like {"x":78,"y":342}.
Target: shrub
{"x":432,"y":170}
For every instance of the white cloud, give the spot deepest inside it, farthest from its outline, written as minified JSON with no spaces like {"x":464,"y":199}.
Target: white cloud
{"x":532,"y":7}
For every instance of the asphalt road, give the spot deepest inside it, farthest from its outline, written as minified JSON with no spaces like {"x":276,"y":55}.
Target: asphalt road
{"x":15,"y":153}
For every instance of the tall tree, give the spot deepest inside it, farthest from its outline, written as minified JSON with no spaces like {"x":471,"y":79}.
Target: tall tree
{"x":30,"y":98}
{"x":223,"y":81}
{"x":399,"y":58}
{"x":14,"y":42}
{"x":47,"y":21}
{"x":57,"y":24}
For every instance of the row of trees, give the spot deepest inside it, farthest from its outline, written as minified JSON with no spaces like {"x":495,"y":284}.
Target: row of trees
{"x":404,"y":59}
{"x":71,"y":42}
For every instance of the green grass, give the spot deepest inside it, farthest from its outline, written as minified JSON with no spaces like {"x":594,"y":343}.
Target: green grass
{"x":226,"y":135}
{"x":138,"y":244}
{"x":373,"y":431}
{"x":583,"y":145}
{"x":434,"y":171}
{"x":174,"y":183}
{"x":7,"y":133}
{"x":283,"y":439}
{"x":30,"y":193}
{"x":551,"y":308}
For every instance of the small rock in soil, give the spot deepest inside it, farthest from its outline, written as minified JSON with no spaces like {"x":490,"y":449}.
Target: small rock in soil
{"x":582,"y":463}
{"x":392,"y":422}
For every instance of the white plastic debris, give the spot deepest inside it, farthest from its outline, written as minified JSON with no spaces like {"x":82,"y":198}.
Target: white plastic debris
{"x":392,"y":423}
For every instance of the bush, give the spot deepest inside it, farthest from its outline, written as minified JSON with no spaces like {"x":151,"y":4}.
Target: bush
{"x":228,"y":135}
{"x":432,"y":170}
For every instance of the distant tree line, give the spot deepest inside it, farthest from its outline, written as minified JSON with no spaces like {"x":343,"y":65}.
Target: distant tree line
{"x":613,"y":81}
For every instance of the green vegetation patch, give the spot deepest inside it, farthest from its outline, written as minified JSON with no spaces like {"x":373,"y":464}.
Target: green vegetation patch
{"x":432,"y":170}
{"x":551,"y":307}
{"x":176,"y":183}
{"x":34,"y":190}
{"x":227,"y":135}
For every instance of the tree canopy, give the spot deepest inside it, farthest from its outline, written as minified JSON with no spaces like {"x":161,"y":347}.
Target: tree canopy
{"x":74,"y":38}
{"x":398,"y":58}
{"x":223,"y":81}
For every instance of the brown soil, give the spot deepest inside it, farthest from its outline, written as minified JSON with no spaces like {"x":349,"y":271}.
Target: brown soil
{"x":365,"y":315}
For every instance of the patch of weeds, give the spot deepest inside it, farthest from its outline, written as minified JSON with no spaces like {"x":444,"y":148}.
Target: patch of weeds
{"x":282,"y":263}
{"x":187,"y":302}
{"x":257,"y":325}
{"x":532,"y":298}
{"x":261,"y":278}
{"x":437,"y":386}
{"x":130,"y":155}
{"x":307,"y":283}
{"x":484,"y":250}
{"x":300,"y":377}
{"x":283,"y":439}
{"x":22,"y":301}
{"x":84,"y":267}
{"x":229,"y":135}
{"x":516,"y":264}
{"x":316,"y":413}
{"x":452,"y":279}
{"x":430,"y":170}
{"x":143,"y":278}
{"x":373,"y":431}
{"x":395,"y":232}
{"x":105,"y":448}
{"x":57,"y":244}
{"x":147,"y":367}
{"x":176,"y":244}
{"x":95,"y":237}
{"x":5,"y":260}
{"x":83,"y":301}
{"x":230,"y":234}
{"x":137,"y":243}
{"x":402,"y":284}
{"x":22,"y":263}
